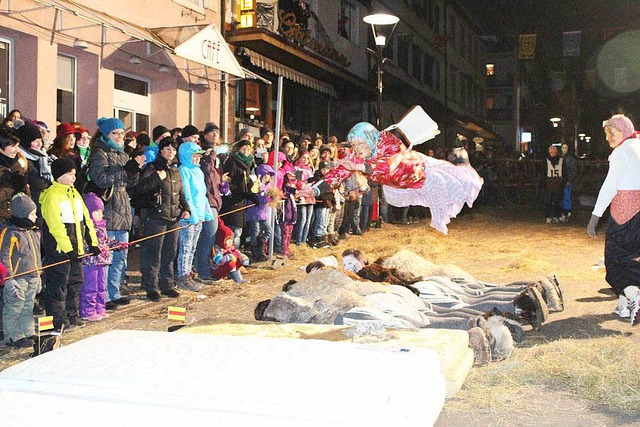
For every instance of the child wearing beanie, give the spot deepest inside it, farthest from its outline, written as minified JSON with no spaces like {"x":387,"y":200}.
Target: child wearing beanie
{"x":67,"y":229}
{"x":20,"y":252}
{"x":94,"y":289}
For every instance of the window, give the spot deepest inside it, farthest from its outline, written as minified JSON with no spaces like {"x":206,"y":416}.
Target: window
{"x":66,"y":93}
{"x":416,"y":62}
{"x":131,"y":102}
{"x":490,"y":103}
{"x":5,"y":100}
{"x":347,"y":20}
{"x":403,"y":52}
{"x":491,"y":69}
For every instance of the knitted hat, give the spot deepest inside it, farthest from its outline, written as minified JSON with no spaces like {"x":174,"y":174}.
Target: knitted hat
{"x":27,"y":134}
{"x":189,"y":130}
{"x":265,"y":130}
{"x":622,"y":123}
{"x":108,"y":125}
{"x":243,"y":132}
{"x":165,"y":142}
{"x":158,"y":131}
{"x":239,"y":144}
{"x":61,"y":166}
{"x":22,"y":206}
{"x":223,"y":233}
{"x":93,"y":203}
{"x":211,"y":126}
{"x":64,"y":129}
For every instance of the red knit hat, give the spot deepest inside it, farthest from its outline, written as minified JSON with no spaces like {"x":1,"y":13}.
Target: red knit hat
{"x":223,"y":234}
{"x":64,"y":129}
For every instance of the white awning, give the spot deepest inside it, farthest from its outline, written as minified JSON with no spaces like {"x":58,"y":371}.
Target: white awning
{"x":289,"y":73}
{"x":204,"y":45}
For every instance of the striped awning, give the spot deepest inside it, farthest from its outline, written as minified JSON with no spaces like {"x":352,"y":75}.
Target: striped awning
{"x":274,"y":67}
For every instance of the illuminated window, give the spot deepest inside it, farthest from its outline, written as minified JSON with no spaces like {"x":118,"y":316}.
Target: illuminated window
{"x":491,"y":69}
{"x":490,"y":103}
{"x":66,"y":90}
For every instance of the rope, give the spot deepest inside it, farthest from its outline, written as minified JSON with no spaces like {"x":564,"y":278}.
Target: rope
{"x":44,"y":267}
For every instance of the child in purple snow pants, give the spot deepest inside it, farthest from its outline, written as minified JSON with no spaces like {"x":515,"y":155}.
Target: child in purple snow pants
{"x":94,"y":289}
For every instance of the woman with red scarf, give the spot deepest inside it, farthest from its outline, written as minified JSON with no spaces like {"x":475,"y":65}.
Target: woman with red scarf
{"x":621,"y":190}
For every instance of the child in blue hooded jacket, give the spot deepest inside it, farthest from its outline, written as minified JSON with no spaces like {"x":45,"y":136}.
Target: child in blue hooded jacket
{"x":195,"y":191}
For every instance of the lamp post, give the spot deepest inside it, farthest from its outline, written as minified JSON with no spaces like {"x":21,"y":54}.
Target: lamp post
{"x":382,"y":25}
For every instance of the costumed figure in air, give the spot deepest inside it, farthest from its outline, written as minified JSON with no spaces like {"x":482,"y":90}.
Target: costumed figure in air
{"x":409,"y":177}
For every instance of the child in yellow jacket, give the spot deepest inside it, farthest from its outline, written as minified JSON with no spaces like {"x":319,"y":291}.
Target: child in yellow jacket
{"x":67,"y":227}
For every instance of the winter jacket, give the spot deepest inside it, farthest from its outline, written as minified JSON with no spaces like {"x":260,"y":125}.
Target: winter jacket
{"x":151,"y":152}
{"x":67,"y":220}
{"x":110,"y":167}
{"x":261,"y":211}
{"x":195,"y":190}
{"x":554,"y":174}
{"x":212,"y":178}
{"x":104,"y":243}
{"x":288,"y":213}
{"x":240,"y":186}
{"x":13,"y":180}
{"x":20,"y":250}
{"x":162,"y":198}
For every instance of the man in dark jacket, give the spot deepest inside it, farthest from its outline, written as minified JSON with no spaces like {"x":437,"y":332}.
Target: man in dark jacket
{"x":163,"y":204}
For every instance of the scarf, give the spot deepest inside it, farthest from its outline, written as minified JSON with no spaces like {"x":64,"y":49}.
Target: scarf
{"x":21,"y":222}
{"x":7,"y":161}
{"x":110,"y":143}
{"x":247,"y":160}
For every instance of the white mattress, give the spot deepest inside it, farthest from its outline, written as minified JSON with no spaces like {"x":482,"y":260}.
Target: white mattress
{"x":154,"y":378}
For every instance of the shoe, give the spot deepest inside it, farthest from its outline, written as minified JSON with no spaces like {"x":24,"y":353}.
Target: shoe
{"x":122,"y":301}
{"x":78,"y":322}
{"x":634,"y":309}
{"x":531,"y":308}
{"x":110,"y":305}
{"x":188,"y":284}
{"x":103,"y":315}
{"x":563,"y":218}
{"x":154,"y":296}
{"x":21,"y":343}
{"x":124,"y":289}
{"x":548,"y":221}
{"x":171,"y":293}
{"x":93,"y":318}
{"x":37,"y":308}
{"x":67,"y":328}
{"x":342,"y":236}
{"x":555,"y":220}
{"x":208,"y":281}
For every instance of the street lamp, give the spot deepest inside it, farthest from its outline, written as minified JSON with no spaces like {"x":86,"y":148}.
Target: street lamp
{"x":382,"y":25}
{"x":555,"y":121}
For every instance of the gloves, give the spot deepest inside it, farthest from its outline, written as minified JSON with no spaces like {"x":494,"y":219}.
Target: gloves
{"x":10,"y":288}
{"x":124,"y":245}
{"x":72,"y":255}
{"x":591,"y":227}
{"x":95,"y":251}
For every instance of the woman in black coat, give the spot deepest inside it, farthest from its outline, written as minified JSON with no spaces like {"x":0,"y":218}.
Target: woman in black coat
{"x":239,"y":165}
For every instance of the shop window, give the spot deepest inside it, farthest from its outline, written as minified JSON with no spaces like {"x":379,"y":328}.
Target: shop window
{"x":66,"y":89}
{"x":347,"y":21}
{"x":5,"y":48}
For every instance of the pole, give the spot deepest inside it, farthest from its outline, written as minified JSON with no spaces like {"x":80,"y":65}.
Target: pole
{"x":379,"y":58}
{"x":276,"y":148}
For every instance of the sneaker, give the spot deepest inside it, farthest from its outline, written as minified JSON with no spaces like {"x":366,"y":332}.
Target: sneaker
{"x":67,"y":328}
{"x":205,"y":281}
{"x":78,"y":322}
{"x":124,"y":289}
{"x":110,"y":305}
{"x":548,"y":221}
{"x":634,"y":309}
{"x":154,"y":296}
{"x":171,"y":293}
{"x":563,"y":218}
{"x":188,"y":284}
{"x":93,"y":318}
{"x":103,"y":315}
{"x":21,"y":343}
{"x":555,"y":220}
{"x":121,"y":301}
{"x":622,"y":309}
